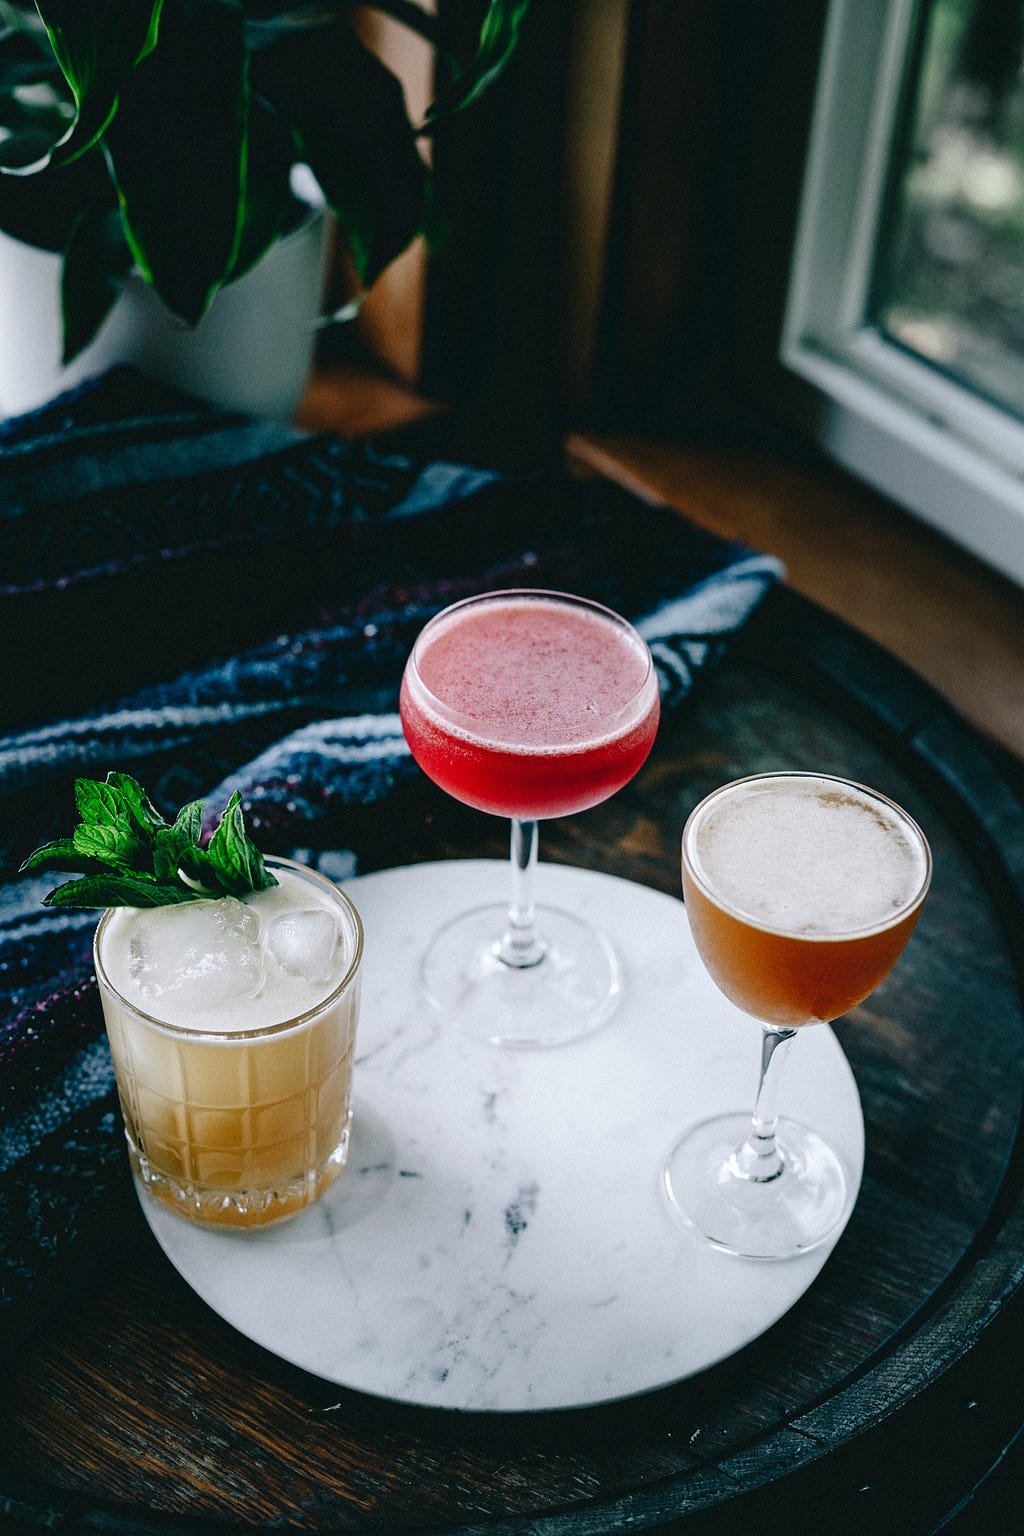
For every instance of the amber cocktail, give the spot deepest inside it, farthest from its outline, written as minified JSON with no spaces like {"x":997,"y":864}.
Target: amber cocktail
{"x":801,"y":890}
{"x":232,"y":1026}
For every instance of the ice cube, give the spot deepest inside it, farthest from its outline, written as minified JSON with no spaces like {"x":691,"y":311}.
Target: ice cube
{"x":304,"y":942}
{"x":207,"y":951}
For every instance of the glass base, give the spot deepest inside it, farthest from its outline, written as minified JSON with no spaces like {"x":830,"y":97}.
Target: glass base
{"x":772,"y":1219}
{"x":238,"y":1207}
{"x":571,"y":992}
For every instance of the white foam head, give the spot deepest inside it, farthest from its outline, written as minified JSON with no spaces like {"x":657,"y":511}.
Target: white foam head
{"x":807,"y":854}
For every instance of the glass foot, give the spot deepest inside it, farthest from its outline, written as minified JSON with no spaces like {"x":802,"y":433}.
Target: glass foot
{"x":572,"y":991}
{"x":774,"y":1219}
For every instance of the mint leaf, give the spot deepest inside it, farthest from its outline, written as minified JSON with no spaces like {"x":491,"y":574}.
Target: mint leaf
{"x":97,"y":803}
{"x":111,"y":843}
{"x":108,"y":830}
{"x":111,"y":890}
{"x":231,"y":863}
{"x":61,"y":854}
{"x":135,"y":803}
{"x":200,"y":872}
{"x":170,"y":844}
{"x":234,"y":856}
{"x":189,"y":821}
{"x":128,"y":855}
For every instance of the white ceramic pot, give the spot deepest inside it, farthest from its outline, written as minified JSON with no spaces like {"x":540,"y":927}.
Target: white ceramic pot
{"x":251,"y":351}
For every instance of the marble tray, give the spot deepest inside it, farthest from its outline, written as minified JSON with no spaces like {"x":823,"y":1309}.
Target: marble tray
{"x":500,"y":1240}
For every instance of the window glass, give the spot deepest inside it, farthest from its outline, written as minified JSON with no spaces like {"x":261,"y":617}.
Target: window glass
{"x":948,"y":279}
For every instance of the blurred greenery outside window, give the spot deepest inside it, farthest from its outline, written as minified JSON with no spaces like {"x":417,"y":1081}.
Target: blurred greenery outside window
{"x":906,"y":305}
{"x":949,"y":276}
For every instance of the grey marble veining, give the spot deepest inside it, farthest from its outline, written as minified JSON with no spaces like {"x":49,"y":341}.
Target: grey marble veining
{"x":499,"y":1239}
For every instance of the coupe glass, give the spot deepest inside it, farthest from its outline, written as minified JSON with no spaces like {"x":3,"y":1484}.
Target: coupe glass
{"x":527,"y":704}
{"x":802,"y":890}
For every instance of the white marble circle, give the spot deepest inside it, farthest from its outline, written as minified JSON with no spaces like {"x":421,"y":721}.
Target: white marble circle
{"x":500,"y":1240}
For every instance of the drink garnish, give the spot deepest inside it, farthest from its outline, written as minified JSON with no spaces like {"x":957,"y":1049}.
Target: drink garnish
{"x":127,"y":855}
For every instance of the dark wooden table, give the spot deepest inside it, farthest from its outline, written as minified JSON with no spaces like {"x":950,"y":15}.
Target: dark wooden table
{"x":874,"y":1405}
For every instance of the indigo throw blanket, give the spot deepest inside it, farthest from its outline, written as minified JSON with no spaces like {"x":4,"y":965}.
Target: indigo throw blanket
{"x":214,"y":603}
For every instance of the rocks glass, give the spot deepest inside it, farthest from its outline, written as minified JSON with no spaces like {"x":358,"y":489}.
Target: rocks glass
{"x":232,"y":1026}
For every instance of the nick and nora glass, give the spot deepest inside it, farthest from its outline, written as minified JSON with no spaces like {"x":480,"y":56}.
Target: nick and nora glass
{"x":527,"y":704}
{"x":801,"y":890}
{"x":232,"y":1027}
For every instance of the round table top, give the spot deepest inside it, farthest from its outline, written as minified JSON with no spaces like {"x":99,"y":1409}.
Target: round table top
{"x":143,"y":1399}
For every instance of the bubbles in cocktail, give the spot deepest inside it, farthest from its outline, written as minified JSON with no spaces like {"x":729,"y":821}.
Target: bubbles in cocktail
{"x":206,"y":951}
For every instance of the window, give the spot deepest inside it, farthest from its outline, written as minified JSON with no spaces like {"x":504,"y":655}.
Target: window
{"x":906,"y":302}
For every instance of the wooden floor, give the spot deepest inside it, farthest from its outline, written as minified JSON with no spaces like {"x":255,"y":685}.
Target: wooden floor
{"x":956,"y":622}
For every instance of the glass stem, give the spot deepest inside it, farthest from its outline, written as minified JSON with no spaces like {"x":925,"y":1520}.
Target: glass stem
{"x":759,"y":1158}
{"x":521,"y":945}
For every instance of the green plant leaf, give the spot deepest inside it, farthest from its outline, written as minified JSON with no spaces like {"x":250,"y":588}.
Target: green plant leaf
{"x":109,"y":831}
{"x":170,"y":844}
{"x":96,"y":263}
{"x":201,"y":875}
{"x":499,"y":37}
{"x":26,"y":58}
{"x":42,"y":210}
{"x":178,"y":157}
{"x":96,"y":43}
{"x":349,"y":118}
{"x":129,"y":856}
{"x":135,"y":802}
{"x":111,"y":844}
{"x":30,"y":130}
{"x":231,"y":858}
{"x":270,"y":206}
{"x":144,"y":106}
{"x":116,"y":890}
{"x":97,"y":802}
{"x":35,"y":105}
{"x":62,"y":854}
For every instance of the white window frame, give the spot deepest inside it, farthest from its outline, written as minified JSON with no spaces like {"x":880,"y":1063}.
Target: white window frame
{"x":928,"y":442}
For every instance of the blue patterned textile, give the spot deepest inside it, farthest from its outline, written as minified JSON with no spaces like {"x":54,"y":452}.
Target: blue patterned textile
{"x":212,"y":603}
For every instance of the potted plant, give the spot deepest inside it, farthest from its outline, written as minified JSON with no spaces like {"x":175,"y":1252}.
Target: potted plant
{"x":151,"y":153}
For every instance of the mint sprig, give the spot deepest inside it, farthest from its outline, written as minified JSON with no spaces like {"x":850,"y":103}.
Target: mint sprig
{"x":128,"y":855}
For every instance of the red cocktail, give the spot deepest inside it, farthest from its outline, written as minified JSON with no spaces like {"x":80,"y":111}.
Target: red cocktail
{"x":527,"y":704}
